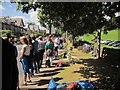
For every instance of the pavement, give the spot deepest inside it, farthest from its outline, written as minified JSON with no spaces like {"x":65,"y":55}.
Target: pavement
{"x":39,"y":80}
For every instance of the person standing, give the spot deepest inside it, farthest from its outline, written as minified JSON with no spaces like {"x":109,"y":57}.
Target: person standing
{"x":74,"y":42}
{"x":49,"y":37}
{"x":49,"y":48}
{"x":10,"y":75}
{"x":41,"y":49}
{"x":56,"y":45}
{"x":30,"y":62}
{"x":24,"y":58}
{"x":35,"y":53}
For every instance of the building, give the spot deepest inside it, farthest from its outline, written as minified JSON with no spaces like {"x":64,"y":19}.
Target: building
{"x":53,"y":30}
{"x":14,"y":24}
{"x":32,"y":28}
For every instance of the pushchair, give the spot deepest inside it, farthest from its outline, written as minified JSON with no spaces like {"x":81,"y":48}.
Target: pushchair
{"x":48,"y":57}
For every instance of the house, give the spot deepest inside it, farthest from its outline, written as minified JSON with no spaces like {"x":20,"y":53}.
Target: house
{"x":14,"y":24}
{"x":32,"y":28}
{"x":18,"y":22}
{"x":53,"y":30}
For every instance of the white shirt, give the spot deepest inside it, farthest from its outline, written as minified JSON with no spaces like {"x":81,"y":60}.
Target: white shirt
{"x":57,"y":41}
{"x":27,"y":49}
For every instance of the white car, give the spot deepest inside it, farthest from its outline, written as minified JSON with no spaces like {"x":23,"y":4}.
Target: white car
{"x":103,"y":42}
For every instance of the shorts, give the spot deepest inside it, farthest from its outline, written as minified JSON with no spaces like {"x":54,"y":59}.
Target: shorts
{"x":25,"y":65}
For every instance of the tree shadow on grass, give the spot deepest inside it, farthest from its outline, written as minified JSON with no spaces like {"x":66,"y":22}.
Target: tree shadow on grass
{"x":107,"y":72}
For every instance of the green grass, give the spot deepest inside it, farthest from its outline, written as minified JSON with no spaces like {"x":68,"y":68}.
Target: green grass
{"x":112,"y":35}
{"x":68,"y":74}
{"x":88,"y":37}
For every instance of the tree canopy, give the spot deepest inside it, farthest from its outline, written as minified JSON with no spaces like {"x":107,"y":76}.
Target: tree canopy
{"x":75,"y":17}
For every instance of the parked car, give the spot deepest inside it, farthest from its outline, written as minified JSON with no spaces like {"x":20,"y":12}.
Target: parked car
{"x":103,"y":41}
{"x":116,"y":44}
{"x":113,"y":43}
{"x":107,"y":42}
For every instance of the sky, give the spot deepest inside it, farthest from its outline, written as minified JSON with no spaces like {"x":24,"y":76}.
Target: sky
{"x":9,"y":9}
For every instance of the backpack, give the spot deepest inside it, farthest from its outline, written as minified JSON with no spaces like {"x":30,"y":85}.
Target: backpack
{"x":72,"y":86}
{"x":86,"y":85}
{"x":52,"y":85}
{"x":49,"y":52}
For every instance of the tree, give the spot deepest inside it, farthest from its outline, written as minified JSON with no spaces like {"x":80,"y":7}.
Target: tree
{"x":81,"y":15}
{"x":4,"y":33}
{"x":78,"y":18}
{"x":60,"y":32}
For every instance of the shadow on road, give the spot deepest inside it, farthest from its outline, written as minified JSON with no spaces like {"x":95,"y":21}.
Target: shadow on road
{"x":47,"y":74}
{"x":46,"y":81}
{"x":48,"y":71}
{"x":36,"y":89}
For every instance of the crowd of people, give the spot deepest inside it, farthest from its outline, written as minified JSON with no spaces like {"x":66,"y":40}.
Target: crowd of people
{"x":32,"y":52}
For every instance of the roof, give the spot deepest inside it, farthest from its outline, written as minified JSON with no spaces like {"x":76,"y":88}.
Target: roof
{"x":16,"y":21}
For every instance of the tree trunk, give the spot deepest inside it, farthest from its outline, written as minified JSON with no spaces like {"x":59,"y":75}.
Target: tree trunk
{"x":73,"y":40}
{"x":99,"y":43}
{"x":50,"y":27}
{"x":66,"y":36}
